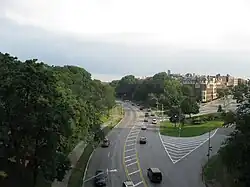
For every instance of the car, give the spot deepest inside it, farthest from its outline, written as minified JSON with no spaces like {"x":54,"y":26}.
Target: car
{"x":154,"y":175}
{"x":143,"y":140}
{"x":149,"y":110}
{"x":100,"y":178}
{"x":133,"y":104}
{"x":144,"y":127}
{"x":141,"y":108}
{"x":105,"y":142}
{"x":152,"y":114}
{"x":128,"y":184}
{"x":145,"y":120}
{"x":146,"y":114}
{"x":154,"y":121}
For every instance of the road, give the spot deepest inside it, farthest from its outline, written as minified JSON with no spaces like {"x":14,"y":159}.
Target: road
{"x":186,"y":172}
{"x":131,"y":160}
{"x":113,"y":157}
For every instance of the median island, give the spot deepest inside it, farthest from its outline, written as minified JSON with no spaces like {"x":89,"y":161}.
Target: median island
{"x":193,"y":126}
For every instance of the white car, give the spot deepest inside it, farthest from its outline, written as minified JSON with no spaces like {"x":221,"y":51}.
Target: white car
{"x":154,"y":121}
{"x":128,"y":184}
{"x":144,"y":127}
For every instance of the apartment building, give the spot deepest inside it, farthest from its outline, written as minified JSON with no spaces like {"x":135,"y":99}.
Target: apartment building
{"x":205,"y":87}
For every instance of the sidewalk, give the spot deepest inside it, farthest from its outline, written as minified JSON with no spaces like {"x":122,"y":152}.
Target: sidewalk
{"x":74,"y":157}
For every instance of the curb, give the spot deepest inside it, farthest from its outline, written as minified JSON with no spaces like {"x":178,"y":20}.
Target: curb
{"x":87,"y":165}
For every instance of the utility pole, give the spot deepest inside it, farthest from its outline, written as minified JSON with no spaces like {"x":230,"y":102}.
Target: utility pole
{"x":162,"y":111}
{"x":179,"y":120}
{"x":209,"y":146}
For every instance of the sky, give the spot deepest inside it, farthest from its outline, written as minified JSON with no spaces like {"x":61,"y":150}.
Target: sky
{"x":113,"y":38}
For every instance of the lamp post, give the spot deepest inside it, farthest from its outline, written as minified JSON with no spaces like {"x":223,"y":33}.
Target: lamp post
{"x":209,"y":145}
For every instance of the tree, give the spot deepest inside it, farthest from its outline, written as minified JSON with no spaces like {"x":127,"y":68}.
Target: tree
{"x":36,"y":116}
{"x":188,"y":106}
{"x":229,"y":118}
{"x":45,"y":111}
{"x":219,"y":108}
{"x":235,"y":152}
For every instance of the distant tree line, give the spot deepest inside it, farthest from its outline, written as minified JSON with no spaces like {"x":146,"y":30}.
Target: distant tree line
{"x":161,"y":90}
{"x":44,"y":112}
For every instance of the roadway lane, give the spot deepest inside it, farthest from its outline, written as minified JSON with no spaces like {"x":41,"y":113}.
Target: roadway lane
{"x":153,"y":154}
{"x":186,"y":172}
{"x":112,"y":157}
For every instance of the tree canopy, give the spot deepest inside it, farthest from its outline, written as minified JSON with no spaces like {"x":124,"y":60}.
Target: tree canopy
{"x":158,"y":89}
{"x":235,"y":153}
{"x":44,"y":112}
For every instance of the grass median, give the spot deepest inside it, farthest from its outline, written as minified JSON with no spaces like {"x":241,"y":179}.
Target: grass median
{"x":168,"y":128}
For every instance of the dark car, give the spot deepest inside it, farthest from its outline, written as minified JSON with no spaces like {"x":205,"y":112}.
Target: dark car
{"x":100,"y":178}
{"x":105,"y":142}
{"x":146,"y":114}
{"x":149,"y":110}
{"x":154,"y":175}
{"x":141,"y":108}
{"x":143,"y":140}
{"x":152,"y":114}
{"x":146,"y":120}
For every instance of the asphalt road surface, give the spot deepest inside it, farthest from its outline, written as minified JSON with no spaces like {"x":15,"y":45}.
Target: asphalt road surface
{"x":112,"y":157}
{"x":186,"y":172}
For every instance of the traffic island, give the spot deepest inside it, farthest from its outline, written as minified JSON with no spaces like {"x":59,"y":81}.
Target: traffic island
{"x":170,"y":129}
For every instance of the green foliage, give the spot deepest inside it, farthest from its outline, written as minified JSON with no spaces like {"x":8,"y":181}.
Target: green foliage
{"x":240,"y":92}
{"x":219,"y":108}
{"x":44,"y":112}
{"x":159,"y":89}
{"x":189,"y":106}
{"x":235,"y":153}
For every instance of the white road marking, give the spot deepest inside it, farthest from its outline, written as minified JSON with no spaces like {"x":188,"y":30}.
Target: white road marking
{"x":137,"y":184}
{"x":178,"y":150}
{"x":130,"y":144}
{"x":131,"y":137}
{"x":134,"y":172}
{"x":131,"y":164}
{"x":130,"y":156}
{"x":130,"y":159}
{"x":130,"y":140}
{"x":108,"y":154}
{"x":130,"y":150}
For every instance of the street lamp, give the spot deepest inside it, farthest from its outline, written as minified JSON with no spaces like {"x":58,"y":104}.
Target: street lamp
{"x":107,"y":171}
{"x":209,"y":145}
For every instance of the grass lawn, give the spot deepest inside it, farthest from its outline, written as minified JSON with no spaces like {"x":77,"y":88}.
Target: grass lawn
{"x":167,"y":128}
{"x":114,"y":117}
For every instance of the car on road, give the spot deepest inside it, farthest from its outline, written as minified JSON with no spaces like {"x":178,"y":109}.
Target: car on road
{"x":143,"y":140}
{"x":141,"y":108}
{"x":152,"y":114}
{"x":105,"y":142}
{"x":149,"y":110}
{"x":145,"y":119}
{"x":144,"y":127}
{"x":146,"y":114}
{"x":100,"y":178}
{"x":154,"y":121}
{"x":154,"y":175}
{"x":128,"y":184}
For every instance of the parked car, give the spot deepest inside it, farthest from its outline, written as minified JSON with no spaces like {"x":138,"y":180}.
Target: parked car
{"x":144,"y":127}
{"x":154,"y":175}
{"x":143,"y":140}
{"x":146,"y":114}
{"x":152,"y":114}
{"x":145,"y":119}
{"x":149,"y":110}
{"x":100,"y":178}
{"x":128,"y":184}
{"x":105,"y":142}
